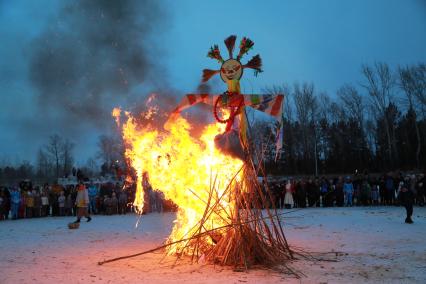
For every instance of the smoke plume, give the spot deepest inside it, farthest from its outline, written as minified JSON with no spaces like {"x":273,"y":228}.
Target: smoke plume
{"x":94,"y":55}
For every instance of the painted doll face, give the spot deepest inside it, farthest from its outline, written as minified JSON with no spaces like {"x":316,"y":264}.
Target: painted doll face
{"x":231,"y":70}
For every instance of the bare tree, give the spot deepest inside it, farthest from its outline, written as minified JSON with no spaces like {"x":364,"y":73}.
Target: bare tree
{"x":410,"y":79}
{"x":43,"y":164}
{"x":324,"y":103}
{"x":306,"y":106}
{"x":337,"y":112}
{"x":67,"y":157}
{"x":418,"y":74}
{"x":380,"y":83}
{"x":59,"y":155}
{"x":110,"y":150}
{"x":352,"y":103}
{"x":53,"y":149}
{"x":92,"y":166}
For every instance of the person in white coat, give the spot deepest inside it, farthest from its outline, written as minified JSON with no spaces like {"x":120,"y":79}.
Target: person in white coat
{"x":82,"y":202}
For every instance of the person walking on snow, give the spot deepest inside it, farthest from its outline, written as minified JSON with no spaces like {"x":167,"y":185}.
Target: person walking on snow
{"x":82,"y":202}
{"x":406,"y":197}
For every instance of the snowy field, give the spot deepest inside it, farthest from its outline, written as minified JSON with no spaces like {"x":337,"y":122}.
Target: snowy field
{"x":369,"y":245}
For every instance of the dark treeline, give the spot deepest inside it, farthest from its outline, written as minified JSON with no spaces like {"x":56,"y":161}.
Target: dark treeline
{"x":377,"y":125}
{"x":56,"y":160}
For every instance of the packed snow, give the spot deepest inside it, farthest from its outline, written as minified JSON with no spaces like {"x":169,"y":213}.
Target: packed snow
{"x":350,"y":245}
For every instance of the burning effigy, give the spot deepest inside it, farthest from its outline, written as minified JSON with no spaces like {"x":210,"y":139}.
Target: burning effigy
{"x":223,"y":213}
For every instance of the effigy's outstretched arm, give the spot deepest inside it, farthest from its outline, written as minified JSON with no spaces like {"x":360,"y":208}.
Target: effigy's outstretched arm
{"x":270,"y":104}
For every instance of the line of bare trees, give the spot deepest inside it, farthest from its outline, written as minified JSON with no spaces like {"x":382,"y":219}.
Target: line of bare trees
{"x":377,"y":125}
{"x":56,"y":159}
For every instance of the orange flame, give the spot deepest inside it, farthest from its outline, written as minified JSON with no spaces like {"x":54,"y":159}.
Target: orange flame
{"x":116,"y":112}
{"x":186,"y":169}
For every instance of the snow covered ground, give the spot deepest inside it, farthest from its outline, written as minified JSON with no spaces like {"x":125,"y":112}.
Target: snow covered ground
{"x":369,"y":245}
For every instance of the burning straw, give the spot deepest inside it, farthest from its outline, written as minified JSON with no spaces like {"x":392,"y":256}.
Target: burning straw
{"x":224,"y":217}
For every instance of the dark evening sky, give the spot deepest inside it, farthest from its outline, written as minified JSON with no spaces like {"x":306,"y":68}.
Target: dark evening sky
{"x":65,"y":64}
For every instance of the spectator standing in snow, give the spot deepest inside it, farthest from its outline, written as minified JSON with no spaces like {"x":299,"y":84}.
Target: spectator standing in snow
{"x":312,"y":190}
{"x":69,"y":204}
{"x":375,"y":192}
{"x":61,"y":204}
{"x":288,"y":199}
{"x":365,"y":193}
{"x":44,"y":204}
{"x":22,"y":205}
{"x":114,"y":203}
{"x":6,"y":203}
{"x":15,"y":199}
{"x":348,"y":190}
{"x":93,"y":193}
{"x":53,"y":202}
{"x":122,"y":202}
{"x":390,"y":189}
{"x":29,"y":204}
{"x":37,"y":202}
{"x":406,"y":197}
{"x":329,"y":196}
{"x":324,"y":190}
{"x":301,"y":193}
{"x":340,"y":196}
{"x":107,"y":205}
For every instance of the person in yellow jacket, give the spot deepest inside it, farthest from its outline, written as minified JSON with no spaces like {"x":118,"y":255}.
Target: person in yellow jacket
{"x":29,"y":202}
{"x":82,"y":202}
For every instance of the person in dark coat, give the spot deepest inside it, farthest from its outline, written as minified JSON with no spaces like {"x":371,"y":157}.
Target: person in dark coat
{"x":301,"y":194}
{"x":312,"y":190}
{"x":340,"y":196}
{"x":406,"y":197}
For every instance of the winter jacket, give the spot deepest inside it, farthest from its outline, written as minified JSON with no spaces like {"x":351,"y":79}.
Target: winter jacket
{"x":348,"y":188}
{"x":15,"y":197}
{"x":93,"y":191}
{"x":37,"y":201}
{"x":44,"y":200}
{"x":29,"y":201}
{"x":82,"y":199}
{"x":405,"y":196}
{"x":61,"y":201}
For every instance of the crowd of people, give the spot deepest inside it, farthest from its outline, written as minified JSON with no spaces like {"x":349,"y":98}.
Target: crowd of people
{"x":389,"y":189}
{"x":28,"y":201}
{"x":32,"y":201}
{"x":346,"y":191}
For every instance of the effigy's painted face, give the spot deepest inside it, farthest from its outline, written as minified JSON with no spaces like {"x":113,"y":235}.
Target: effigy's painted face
{"x":231,"y":70}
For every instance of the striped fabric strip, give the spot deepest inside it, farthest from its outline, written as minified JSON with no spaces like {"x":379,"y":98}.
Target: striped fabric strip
{"x":270,"y":104}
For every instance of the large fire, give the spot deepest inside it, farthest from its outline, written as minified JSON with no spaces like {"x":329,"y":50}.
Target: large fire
{"x":189,"y":171}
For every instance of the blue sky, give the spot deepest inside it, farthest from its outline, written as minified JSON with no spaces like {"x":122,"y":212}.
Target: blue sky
{"x":324,"y":42}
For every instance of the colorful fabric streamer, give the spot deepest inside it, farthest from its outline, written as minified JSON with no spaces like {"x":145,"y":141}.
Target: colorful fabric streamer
{"x":270,"y":104}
